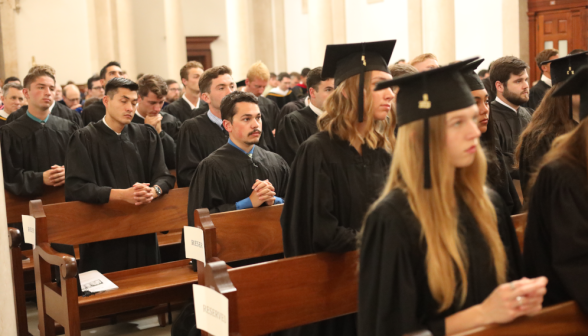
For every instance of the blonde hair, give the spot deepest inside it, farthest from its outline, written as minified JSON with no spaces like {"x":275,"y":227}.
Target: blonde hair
{"x":422,"y":58}
{"x":340,"y":117}
{"x":437,"y":208}
{"x":258,"y":70}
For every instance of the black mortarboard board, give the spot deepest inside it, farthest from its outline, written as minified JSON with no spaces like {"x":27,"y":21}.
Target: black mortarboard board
{"x":240,"y":83}
{"x":577,"y":84}
{"x":562,"y":68}
{"x":346,"y":60}
{"x":428,"y":94}
{"x":471,"y":77}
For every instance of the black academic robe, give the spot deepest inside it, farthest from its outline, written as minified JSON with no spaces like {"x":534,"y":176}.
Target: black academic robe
{"x":182,"y":110}
{"x":509,"y":125}
{"x":99,"y":160}
{"x":94,"y":112}
{"x":537,"y":93}
{"x":299,"y":91}
{"x":490,"y":88}
{"x":59,"y":110}
{"x":501,"y":182}
{"x":292,"y":106}
{"x":226,"y":176}
{"x":281,"y":100}
{"x":198,"y":138}
{"x":29,"y":148}
{"x":556,"y":244}
{"x":270,"y":112}
{"x":331,"y":188}
{"x":529,"y":161}
{"x":394,"y":294}
{"x":2,"y":121}
{"x":170,"y":127}
{"x":293,"y":130}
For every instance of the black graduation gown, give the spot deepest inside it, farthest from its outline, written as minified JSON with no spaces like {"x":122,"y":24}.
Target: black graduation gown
{"x":170,"y":127}
{"x":2,"y":121}
{"x":182,"y":110}
{"x":529,"y":161}
{"x":226,"y":176}
{"x":331,"y":188}
{"x":281,"y":100}
{"x":292,"y":106}
{"x":269,"y":112}
{"x":503,"y":184}
{"x":394,"y":294}
{"x":99,"y":160}
{"x":299,"y":92}
{"x":509,"y":125}
{"x":59,"y":110}
{"x":490,"y":88}
{"x":293,"y":130}
{"x":29,"y":148}
{"x":94,"y":112}
{"x":537,"y":93}
{"x":556,"y":243}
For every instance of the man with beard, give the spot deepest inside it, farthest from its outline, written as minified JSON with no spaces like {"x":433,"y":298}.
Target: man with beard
{"x":173,"y":92}
{"x":240,"y":174}
{"x":509,"y":76}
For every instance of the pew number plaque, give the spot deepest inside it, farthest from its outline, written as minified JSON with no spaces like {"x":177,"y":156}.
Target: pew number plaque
{"x":29,"y":228}
{"x":212,"y":311}
{"x":194,"y":243}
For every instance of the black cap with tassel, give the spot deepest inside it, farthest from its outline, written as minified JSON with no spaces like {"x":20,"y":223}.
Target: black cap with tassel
{"x":576,"y":84}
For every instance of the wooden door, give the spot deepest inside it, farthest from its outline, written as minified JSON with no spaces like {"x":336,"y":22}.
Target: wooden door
{"x":198,"y":49}
{"x":555,"y":32}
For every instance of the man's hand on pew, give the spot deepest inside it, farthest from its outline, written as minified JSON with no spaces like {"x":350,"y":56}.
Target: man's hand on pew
{"x":55,"y":176}
{"x":139,"y":193}
{"x":263,"y":192}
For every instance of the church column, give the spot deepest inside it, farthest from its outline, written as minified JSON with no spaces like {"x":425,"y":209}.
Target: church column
{"x":124,"y":36}
{"x":104,"y":32}
{"x":415,"y":29}
{"x":438,"y":29}
{"x":320,"y":15}
{"x":175,"y":38}
{"x":8,"y":52}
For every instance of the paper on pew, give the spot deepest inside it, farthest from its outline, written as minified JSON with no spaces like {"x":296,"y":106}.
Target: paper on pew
{"x":29,"y":228}
{"x":212,"y":311}
{"x":194,"y":243}
{"x":95,"y":282}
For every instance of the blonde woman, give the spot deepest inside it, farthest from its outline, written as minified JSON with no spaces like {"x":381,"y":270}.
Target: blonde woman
{"x":338,"y":172}
{"x":436,"y":252}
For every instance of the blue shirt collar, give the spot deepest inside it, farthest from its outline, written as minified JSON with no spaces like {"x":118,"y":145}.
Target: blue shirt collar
{"x":239,"y":148}
{"x":37,"y":119}
{"x":215,"y":119}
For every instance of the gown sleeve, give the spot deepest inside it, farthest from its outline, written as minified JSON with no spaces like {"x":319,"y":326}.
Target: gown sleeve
{"x":169,"y":149}
{"x":17,"y":180}
{"x":388,"y":286}
{"x":507,"y":191}
{"x":187,"y":154}
{"x":308,"y":221}
{"x":206,"y":191}
{"x":159,"y":172}
{"x":80,"y":180}
{"x":568,"y":225}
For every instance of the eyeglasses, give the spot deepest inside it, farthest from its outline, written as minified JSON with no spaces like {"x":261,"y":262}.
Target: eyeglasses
{"x":174,"y":89}
{"x":98,"y":88}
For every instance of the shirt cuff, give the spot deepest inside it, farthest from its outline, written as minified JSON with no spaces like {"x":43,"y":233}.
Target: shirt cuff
{"x":244,"y":204}
{"x":278,"y":200}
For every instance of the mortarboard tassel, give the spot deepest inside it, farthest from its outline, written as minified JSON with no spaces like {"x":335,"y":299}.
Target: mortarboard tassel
{"x":361,"y":83}
{"x":426,"y":153}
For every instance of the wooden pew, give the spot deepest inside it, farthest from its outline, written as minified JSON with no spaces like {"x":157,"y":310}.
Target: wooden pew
{"x":74,"y":223}
{"x":239,"y":235}
{"x":16,"y":206}
{"x":269,"y":297}
{"x":565,"y":319}
{"x":520,"y":223}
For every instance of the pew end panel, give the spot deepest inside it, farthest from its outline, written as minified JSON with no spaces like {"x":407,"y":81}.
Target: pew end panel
{"x":14,"y":242}
{"x":268,"y":297}
{"x":520,"y":223}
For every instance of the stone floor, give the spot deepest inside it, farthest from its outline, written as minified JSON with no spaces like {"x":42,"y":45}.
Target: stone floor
{"x":143,"y":327}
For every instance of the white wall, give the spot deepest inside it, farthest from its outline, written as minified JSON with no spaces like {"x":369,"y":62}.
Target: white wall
{"x":56,"y":33}
{"x":297,"y":37}
{"x":379,"y":21}
{"x":478,"y":30}
{"x":208,"y":18}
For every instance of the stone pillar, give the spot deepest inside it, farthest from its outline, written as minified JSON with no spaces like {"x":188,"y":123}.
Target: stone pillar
{"x":105,"y":47}
{"x":415,"y":29}
{"x":123,"y":25}
{"x":320,"y":14}
{"x":8,"y":51}
{"x":439,"y":29}
{"x":175,"y":39}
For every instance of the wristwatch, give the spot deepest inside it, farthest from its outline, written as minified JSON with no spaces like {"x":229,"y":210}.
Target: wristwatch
{"x":157,"y":190}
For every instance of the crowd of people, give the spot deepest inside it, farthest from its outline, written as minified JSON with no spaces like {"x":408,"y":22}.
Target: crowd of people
{"x":414,"y":163}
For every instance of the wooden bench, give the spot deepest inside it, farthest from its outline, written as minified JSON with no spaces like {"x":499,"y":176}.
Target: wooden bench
{"x":520,"y":223}
{"x":74,"y":223}
{"x":266,"y":297}
{"x":239,"y":235}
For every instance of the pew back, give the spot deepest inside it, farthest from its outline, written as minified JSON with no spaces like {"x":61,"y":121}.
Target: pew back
{"x":520,"y":223}
{"x":16,"y":206}
{"x":282,"y":294}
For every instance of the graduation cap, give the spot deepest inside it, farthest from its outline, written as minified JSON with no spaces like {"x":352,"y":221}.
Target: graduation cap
{"x":428,"y":94}
{"x":240,"y":83}
{"x":346,"y":60}
{"x":577,"y":84}
{"x":564,"y":67}
{"x":471,"y":77}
